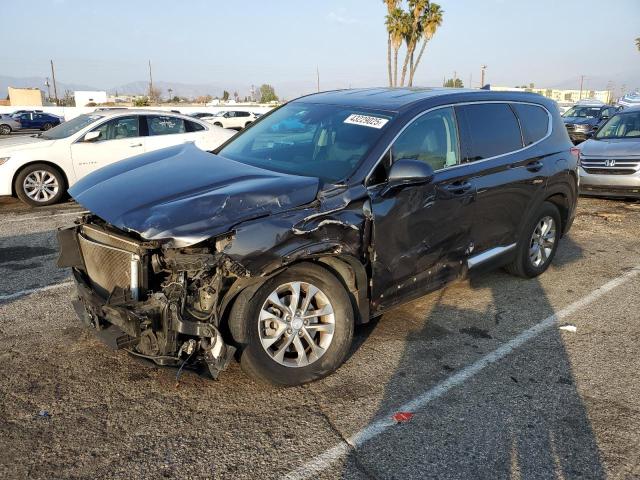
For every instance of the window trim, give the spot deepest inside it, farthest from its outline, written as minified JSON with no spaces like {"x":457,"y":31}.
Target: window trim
{"x":508,"y":102}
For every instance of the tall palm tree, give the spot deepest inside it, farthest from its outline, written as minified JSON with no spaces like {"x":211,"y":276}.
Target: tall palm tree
{"x":417,"y":9}
{"x":638,"y":43}
{"x":391,"y":6}
{"x":430,"y":22}
{"x":397,"y":25}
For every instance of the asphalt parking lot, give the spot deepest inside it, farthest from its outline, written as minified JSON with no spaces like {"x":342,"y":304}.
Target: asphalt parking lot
{"x":496,"y":387}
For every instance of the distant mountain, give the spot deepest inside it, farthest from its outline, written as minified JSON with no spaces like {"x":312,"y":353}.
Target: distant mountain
{"x":38,"y":82}
{"x":180,"y":89}
{"x":629,"y":79}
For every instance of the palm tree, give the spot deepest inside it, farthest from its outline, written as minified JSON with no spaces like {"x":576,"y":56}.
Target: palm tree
{"x":417,"y":9}
{"x":391,"y":6}
{"x":430,"y":22}
{"x":397,"y":26}
{"x":638,"y":43}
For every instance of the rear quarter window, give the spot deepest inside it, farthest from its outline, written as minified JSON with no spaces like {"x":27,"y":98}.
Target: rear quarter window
{"x":534,"y":121}
{"x":487,"y":130}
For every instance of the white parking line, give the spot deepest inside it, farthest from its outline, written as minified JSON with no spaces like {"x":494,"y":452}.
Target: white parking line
{"x":341,"y":450}
{"x":20,"y":219}
{"x":22,"y":293}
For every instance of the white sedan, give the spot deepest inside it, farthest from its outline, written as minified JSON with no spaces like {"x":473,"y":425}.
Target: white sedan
{"x":231,"y":119}
{"x":40,"y":168}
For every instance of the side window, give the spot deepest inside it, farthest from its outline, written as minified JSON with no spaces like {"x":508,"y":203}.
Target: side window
{"x":231,"y":114}
{"x":117,"y":128}
{"x":164,"y":125}
{"x":534,"y":122}
{"x":487,"y":130}
{"x":193,"y":126}
{"x":432,"y":138}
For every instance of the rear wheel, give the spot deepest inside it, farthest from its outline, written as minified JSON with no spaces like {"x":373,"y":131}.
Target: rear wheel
{"x":218,"y":124}
{"x":39,"y":185}
{"x":298,"y":326}
{"x":538,"y":243}
{"x":5,"y":129}
{"x":247,"y":124}
{"x":47,"y":126}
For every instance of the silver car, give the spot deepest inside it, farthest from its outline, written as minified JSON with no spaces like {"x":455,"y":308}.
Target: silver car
{"x":8,"y":124}
{"x":610,"y":159}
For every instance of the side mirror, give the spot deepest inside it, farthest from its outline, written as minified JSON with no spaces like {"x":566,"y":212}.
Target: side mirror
{"x":92,"y":136}
{"x":407,"y":172}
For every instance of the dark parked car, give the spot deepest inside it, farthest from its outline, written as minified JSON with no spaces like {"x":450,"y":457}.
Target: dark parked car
{"x":283,"y":240}
{"x":38,"y":120}
{"x":582,"y":120}
{"x":610,"y":160}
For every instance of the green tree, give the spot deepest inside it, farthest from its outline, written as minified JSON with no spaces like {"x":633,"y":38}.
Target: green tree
{"x":391,"y":6}
{"x":398,"y":24}
{"x":225,"y":96}
{"x":267,"y":94}
{"x":141,"y":102}
{"x":453,"y":83}
{"x":638,"y":43}
{"x":429,"y":23}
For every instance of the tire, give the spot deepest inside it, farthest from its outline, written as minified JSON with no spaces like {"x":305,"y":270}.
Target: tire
{"x":5,"y":129}
{"x":218,"y":124}
{"x":47,"y":126}
{"x":40,"y":174}
{"x":527,"y":255}
{"x":331,"y":334}
{"x":247,"y":124}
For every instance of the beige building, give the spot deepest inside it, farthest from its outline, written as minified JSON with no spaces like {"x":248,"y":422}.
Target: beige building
{"x":26,"y":97}
{"x":563,"y":96}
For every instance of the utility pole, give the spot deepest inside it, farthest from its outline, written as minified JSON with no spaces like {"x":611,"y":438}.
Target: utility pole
{"x":318,"y":77}
{"x":470,"y":80}
{"x":482,"y":69}
{"x":150,"y":81}
{"x":581,"y":83}
{"x":55,"y":88}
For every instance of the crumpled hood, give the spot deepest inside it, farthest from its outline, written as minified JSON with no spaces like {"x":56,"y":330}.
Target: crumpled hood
{"x":23,"y":142}
{"x":580,"y":120}
{"x":613,"y":148}
{"x":187,"y":195}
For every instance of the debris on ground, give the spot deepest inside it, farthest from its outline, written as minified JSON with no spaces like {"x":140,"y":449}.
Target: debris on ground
{"x":402,"y":417}
{"x":568,"y":327}
{"x":44,"y":414}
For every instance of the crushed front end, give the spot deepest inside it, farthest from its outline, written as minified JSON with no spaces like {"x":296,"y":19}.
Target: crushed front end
{"x":156,"y":302}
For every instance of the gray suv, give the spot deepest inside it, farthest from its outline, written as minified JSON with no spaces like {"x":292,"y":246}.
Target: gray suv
{"x":610,"y":160}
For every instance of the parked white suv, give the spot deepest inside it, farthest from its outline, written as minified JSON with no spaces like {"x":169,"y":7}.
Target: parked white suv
{"x":40,"y":168}
{"x":231,"y":119}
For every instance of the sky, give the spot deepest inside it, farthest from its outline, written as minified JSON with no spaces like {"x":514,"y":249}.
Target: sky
{"x":239,"y":43}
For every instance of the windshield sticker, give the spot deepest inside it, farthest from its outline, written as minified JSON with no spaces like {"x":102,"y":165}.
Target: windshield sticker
{"x":366,"y":120}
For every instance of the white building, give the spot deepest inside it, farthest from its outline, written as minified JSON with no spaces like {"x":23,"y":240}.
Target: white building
{"x":84,"y":97}
{"x":563,"y":96}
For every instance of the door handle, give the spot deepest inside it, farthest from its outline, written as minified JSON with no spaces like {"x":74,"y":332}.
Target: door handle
{"x":535,"y":166}
{"x":458,"y":187}
{"x":135,"y":145}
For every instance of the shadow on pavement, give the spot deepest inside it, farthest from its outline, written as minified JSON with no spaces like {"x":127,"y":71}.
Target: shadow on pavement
{"x":521,"y":417}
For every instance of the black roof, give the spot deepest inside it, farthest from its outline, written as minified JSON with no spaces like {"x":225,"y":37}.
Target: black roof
{"x":399,"y":99}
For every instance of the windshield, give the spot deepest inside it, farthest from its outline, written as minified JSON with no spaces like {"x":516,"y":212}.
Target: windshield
{"x":621,"y":125}
{"x":74,"y":125}
{"x":584,"y":112}
{"x":324,"y":141}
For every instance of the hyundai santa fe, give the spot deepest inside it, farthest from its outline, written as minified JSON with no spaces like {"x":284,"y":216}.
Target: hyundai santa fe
{"x":327,"y":212}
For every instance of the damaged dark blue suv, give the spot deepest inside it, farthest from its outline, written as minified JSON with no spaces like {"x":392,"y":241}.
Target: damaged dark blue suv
{"x":323,"y":214}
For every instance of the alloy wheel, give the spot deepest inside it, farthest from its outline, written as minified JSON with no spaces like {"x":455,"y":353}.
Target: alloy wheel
{"x":542,"y":241}
{"x":5,"y":129}
{"x":40,"y":185}
{"x":296,"y":324}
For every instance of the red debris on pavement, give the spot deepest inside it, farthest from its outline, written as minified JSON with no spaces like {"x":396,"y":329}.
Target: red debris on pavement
{"x":401,"y":417}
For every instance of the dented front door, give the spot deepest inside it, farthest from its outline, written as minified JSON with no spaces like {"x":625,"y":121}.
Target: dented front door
{"x":421,"y":235}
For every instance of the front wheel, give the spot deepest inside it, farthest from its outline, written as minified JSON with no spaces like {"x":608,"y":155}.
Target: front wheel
{"x":47,"y":126}
{"x":538,"y":243}
{"x":5,"y":129}
{"x":247,"y":124}
{"x":218,"y":124}
{"x":298,"y":326}
{"x":39,"y":185}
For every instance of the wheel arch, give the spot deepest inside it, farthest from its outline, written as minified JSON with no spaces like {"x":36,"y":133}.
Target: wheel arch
{"x":348,"y":270}
{"x":65,"y":178}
